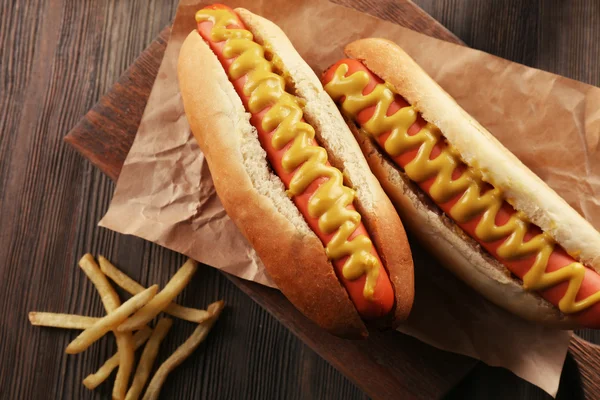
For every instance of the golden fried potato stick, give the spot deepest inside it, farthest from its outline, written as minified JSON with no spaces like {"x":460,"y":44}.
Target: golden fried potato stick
{"x":147,"y":359}
{"x":177,"y":283}
{"x":56,"y":320}
{"x":126,"y":361}
{"x":111,"y":302}
{"x":183,"y":352}
{"x":110,"y":298}
{"x":110,"y":321}
{"x":131,"y":286}
{"x":93,"y":380}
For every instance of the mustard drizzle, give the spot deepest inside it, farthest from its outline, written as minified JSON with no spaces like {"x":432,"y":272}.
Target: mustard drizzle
{"x":472,"y":202}
{"x":329,"y":203}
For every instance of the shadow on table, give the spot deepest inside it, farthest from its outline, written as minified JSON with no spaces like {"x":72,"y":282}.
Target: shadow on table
{"x":498,"y":383}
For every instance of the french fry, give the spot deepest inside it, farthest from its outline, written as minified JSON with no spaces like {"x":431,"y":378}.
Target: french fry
{"x":109,"y":297}
{"x":93,"y":380}
{"x":133,"y":315}
{"x":111,"y":302}
{"x":126,"y":361}
{"x":110,"y":321}
{"x":55,"y":320}
{"x":187,"y":313}
{"x":119,"y":277}
{"x":131,"y":286}
{"x":177,"y":283}
{"x":147,"y":359}
{"x":182,"y":352}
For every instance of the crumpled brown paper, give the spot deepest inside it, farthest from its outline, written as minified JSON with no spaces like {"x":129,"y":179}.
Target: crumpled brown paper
{"x":165,"y":193}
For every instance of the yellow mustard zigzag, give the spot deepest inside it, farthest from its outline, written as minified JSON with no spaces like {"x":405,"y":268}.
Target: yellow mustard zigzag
{"x":472,"y":203}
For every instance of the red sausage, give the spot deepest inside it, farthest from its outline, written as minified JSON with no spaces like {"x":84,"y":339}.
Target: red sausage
{"x":589,"y":317}
{"x":383,"y":299}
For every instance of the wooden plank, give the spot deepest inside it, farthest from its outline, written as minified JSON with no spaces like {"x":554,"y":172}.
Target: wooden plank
{"x":384,"y":366}
{"x":106,"y":133}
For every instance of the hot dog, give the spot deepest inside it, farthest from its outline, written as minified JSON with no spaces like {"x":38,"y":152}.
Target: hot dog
{"x":496,"y":224}
{"x":291,"y":176}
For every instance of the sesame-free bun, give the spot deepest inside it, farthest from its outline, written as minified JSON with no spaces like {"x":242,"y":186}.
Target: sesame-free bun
{"x":478,"y":148}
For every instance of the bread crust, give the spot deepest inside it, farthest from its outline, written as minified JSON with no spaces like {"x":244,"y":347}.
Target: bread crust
{"x":527,"y":192}
{"x":292,"y":254}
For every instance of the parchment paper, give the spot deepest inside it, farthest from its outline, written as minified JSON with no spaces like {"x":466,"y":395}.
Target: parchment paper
{"x":165,"y":193}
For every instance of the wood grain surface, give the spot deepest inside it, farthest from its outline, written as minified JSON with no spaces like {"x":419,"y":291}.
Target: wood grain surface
{"x":58,"y":57}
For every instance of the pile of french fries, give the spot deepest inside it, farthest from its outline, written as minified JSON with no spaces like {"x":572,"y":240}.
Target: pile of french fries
{"x":134,"y":315}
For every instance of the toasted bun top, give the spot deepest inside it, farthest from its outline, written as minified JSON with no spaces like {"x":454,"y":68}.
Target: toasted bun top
{"x":524,"y":190}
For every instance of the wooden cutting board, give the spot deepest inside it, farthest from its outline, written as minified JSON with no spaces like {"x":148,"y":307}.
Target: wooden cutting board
{"x":402,"y":364}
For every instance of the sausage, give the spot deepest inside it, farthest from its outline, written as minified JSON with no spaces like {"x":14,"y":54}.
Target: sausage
{"x":558,"y":259}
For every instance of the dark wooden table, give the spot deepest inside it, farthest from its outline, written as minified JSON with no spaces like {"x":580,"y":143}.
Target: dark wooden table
{"x":57,"y":59}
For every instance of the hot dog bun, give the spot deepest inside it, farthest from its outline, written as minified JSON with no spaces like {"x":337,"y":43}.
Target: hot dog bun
{"x":524,"y":190}
{"x":254,"y":197}
{"x":478,"y":147}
